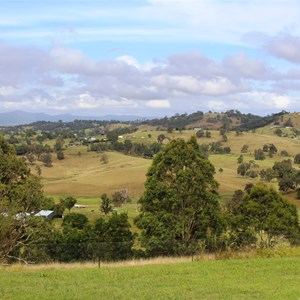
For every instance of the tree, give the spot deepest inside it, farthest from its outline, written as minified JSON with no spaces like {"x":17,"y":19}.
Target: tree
{"x":240,"y":159}
{"x":161,"y":138}
{"x":200,"y":133}
{"x":224,"y":138}
{"x":120,"y":197}
{"x":69,"y":202}
{"x":278,"y":132}
{"x":60,"y":155}
{"x":104,"y":158}
{"x":180,"y":204}
{"x":259,"y":154}
{"x":105,"y":205}
{"x":267,"y":214}
{"x":245,"y":148}
{"x":297,"y":158}
{"x":286,"y":184}
{"x":47,"y":159}
{"x":207,"y":134}
{"x":113,"y":238}
{"x":20,"y":195}
{"x":75,"y":220}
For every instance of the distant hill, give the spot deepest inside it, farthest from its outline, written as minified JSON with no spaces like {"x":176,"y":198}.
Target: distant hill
{"x":21,"y":117}
{"x":229,"y":120}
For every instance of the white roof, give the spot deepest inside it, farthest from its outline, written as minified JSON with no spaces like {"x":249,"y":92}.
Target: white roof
{"x":44,"y":213}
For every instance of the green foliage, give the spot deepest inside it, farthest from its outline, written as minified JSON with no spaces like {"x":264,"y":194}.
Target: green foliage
{"x":264,"y":212}
{"x":259,"y":154}
{"x":60,"y":155}
{"x":200,"y":133}
{"x":240,"y":159}
{"x":244,"y":148}
{"x":113,"y":238}
{"x":46,"y":158}
{"x":180,"y":204}
{"x":297,"y":158}
{"x":75,"y":220}
{"x":105,"y":205}
{"x":278,"y":132}
{"x":20,"y":195}
{"x":120,"y":197}
{"x":68,"y":202}
{"x":284,"y":153}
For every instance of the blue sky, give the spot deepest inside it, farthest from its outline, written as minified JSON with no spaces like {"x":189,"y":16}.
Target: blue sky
{"x":149,"y":58}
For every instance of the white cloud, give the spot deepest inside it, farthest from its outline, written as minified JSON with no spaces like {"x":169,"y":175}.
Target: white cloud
{"x":7,"y":91}
{"x":267,"y":100}
{"x":285,"y":46}
{"x":158,"y":103}
{"x":217,"y":105}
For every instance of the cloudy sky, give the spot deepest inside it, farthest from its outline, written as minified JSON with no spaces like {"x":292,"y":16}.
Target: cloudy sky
{"x":149,"y":57}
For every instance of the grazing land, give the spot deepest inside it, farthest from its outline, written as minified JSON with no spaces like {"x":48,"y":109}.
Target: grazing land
{"x":86,"y":176}
{"x":265,"y":278}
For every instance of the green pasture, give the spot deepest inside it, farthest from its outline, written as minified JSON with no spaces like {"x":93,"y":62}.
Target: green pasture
{"x":265,"y":278}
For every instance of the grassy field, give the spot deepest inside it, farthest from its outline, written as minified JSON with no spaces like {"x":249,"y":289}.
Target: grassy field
{"x":272,"y":278}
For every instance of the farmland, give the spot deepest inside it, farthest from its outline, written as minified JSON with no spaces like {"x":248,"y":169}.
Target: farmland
{"x":85,"y":175}
{"x":264,"y":278}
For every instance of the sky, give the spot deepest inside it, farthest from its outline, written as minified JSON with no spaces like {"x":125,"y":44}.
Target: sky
{"x":149,"y":58}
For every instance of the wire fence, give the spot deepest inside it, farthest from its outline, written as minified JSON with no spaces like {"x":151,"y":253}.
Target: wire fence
{"x":104,"y":251}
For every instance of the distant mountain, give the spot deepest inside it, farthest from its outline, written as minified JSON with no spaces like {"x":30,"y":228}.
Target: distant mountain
{"x":21,"y":117}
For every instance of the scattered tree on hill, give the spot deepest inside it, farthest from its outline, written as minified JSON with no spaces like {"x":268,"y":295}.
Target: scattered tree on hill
{"x":245,"y":148}
{"x":270,"y":148}
{"x":104,"y":158}
{"x":224,"y":138}
{"x":259,"y":154}
{"x":200,"y":133}
{"x":161,"y":138}
{"x":278,"y":132}
{"x":180,"y":204}
{"x":297,"y":158}
{"x":60,"y":155}
{"x":284,"y":153}
{"x":46,"y":158}
{"x":286,"y":184}
{"x":59,"y":143}
{"x":120,"y":197}
{"x":207,"y":134}
{"x":69,"y":202}
{"x":30,"y":158}
{"x":288,"y":123}
{"x":267,"y":174}
{"x":240,"y":159}
{"x":105,"y":205}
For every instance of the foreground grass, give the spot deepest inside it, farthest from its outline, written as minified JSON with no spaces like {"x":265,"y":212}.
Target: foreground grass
{"x":272,"y":278}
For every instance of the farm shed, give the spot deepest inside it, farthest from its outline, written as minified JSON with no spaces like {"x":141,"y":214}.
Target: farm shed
{"x":49,"y":214}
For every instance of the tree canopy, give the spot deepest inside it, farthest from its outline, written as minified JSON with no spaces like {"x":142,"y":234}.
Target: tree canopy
{"x":264,"y":212}
{"x":20,"y":195}
{"x":180,"y":205}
